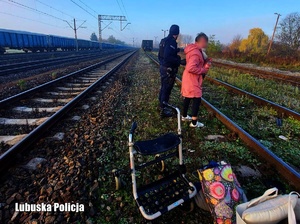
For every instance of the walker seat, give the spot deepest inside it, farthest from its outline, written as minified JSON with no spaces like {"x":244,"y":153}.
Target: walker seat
{"x":159,"y":145}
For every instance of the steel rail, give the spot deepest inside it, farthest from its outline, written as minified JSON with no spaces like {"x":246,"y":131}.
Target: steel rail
{"x":7,"y":157}
{"x":286,"y":171}
{"x":294,"y":80}
{"x":27,"y":66}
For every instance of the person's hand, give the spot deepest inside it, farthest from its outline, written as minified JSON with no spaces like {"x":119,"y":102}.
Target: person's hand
{"x":207,"y":66}
{"x":205,"y":70}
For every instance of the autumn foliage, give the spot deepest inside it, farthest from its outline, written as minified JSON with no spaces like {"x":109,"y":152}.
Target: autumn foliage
{"x":253,"y":49}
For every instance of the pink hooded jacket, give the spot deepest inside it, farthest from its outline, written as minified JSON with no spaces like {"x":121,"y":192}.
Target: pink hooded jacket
{"x":192,"y":76}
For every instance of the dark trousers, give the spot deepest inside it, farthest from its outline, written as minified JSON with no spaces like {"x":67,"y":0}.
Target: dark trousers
{"x":195,"y":107}
{"x":167,"y":84}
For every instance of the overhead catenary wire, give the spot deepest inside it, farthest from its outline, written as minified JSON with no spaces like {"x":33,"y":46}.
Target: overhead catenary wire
{"x":21,"y":17}
{"x":36,"y":10}
{"x":89,"y":7}
{"x":87,"y":11}
{"x":17,"y":4}
{"x":120,"y":8}
{"x":20,"y":6}
{"x":84,"y":9}
{"x":128,"y":18}
{"x":54,"y":8}
{"x":125,"y":10}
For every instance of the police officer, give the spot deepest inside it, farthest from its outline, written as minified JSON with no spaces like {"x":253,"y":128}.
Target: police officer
{"x":169,"y":63}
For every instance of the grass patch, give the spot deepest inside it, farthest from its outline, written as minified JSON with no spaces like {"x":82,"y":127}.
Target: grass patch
{"x":54,"y":75}
{"x":22,"y":84}
{"x":283,"y":94}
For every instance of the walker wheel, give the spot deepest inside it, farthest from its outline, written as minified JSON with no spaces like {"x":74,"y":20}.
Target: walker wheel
{"x":187,"y":206}
{"x":161,"y":164}
{"x":118,"y":181}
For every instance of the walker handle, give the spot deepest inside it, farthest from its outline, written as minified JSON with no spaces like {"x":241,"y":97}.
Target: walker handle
{"x":133,"y":127}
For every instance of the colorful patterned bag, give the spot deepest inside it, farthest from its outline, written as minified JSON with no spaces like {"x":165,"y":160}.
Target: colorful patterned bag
{"x":222,"y":191}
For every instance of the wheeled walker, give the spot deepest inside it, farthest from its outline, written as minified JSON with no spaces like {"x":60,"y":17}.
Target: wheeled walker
{"x":159,"y":196}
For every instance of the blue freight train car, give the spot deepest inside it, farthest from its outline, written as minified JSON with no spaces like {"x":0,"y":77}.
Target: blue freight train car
{"x":27,"y":41}
{"x":21,"y":40}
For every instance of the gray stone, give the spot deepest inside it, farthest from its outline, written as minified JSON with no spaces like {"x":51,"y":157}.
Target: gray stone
{"x":85,"y":107}
{"x":246,"y":171}
{"x":59,"y":136}
{"x":76,"y":118}
{"x":14,"y":215}
{"x":214,"y":137}
{"x":33,"y":163}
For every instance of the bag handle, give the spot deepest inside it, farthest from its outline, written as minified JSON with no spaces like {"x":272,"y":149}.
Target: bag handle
{"x":270,"y":193}
{"x":291,"y":212}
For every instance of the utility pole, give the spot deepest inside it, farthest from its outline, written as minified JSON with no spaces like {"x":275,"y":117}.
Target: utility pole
{"x":164,"y":32}
{"x":132,"y":42}
{"x":155,"y":43}
{"x":271,"y":42}
{"x":75,"y":30}
{"x":111,"y":18}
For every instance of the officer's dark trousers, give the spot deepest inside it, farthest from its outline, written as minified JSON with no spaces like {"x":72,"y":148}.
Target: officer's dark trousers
{"x":167,"y":83}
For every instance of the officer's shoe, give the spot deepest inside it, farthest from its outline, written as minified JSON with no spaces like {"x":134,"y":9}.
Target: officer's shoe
{"x":165,"y":112}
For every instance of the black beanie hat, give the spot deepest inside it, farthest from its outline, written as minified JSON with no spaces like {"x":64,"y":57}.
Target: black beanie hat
{"x":174,"y":30}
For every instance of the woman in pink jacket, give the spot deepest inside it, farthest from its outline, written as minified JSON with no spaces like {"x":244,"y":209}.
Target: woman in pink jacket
{"x":191,"y":89}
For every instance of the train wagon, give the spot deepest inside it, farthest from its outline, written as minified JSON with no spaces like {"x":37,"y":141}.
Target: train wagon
{"x":21,"y":40}
{"x":147,"y":45}
{"x":27,"y":41}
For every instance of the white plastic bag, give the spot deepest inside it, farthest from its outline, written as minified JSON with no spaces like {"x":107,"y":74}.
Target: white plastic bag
{"x":270,"y":208}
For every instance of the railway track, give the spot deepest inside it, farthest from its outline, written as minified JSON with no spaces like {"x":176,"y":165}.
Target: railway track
{"x":285,"y":170}
{"x":9,"y":69}
{"x":294,"y":80}
{"x":23,"y":57}
{"x":31,"y":113}
{"x":283,"y":111}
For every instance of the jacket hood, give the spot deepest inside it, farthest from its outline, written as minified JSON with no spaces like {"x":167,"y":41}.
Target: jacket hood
{"x":191,"y":47}
{"x":174,"y":30}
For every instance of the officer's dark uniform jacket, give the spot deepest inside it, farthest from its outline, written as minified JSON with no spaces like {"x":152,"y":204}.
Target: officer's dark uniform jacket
{"x":169,"y":63}
{"x":170,"y":58}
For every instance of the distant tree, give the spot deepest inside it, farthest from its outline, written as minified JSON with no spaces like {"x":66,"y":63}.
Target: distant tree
{"x":214,"y":46}
{"x":94,"y":37}
{"x":289,"y":33}
{"x":184,"y":40}
{"x":256,"y":42}
{"x":282,"y":50}
{"x":113,"y":40}
{"x":187,"y":39}
{"x":235,"y":43}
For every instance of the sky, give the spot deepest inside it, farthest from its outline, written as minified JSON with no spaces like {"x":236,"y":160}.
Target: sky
{"x":147,"y":18}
